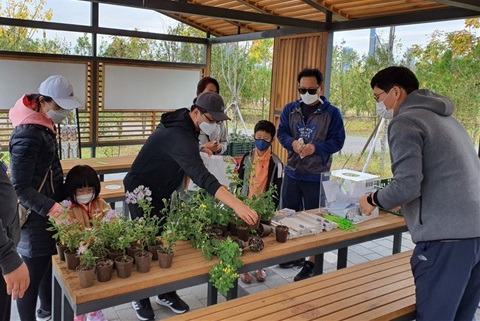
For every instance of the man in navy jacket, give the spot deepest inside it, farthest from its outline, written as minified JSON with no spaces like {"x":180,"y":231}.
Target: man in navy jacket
{"x":311,"y":129}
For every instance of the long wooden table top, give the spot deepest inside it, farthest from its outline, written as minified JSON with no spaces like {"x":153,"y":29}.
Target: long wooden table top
{"x":382,"y":289}
{"x":102,"y":165}
{"x":189,"y":263}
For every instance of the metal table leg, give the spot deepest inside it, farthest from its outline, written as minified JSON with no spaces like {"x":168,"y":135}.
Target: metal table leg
{"x":342,"y":258}
{"x":211,"y":294}
{"x":67,"y":311}
{"x":397,"y":243}
{"x":56,"y":299}
{"x":233,"y":293}
{"x":318,"y":267}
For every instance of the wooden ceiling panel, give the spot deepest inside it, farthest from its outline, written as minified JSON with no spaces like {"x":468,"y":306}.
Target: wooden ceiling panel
{"x":231,"y":17}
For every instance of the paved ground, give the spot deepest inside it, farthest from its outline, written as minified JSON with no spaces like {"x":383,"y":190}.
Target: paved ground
{"x":196,"y":296}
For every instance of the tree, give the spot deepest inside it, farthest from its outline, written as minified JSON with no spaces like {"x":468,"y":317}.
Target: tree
{"x":21,"y":38}
{"x":448,"y":65}
{"x":230,"y":61}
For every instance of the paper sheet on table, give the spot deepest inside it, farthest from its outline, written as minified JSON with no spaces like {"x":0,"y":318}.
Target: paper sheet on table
{"x":218,"y":166}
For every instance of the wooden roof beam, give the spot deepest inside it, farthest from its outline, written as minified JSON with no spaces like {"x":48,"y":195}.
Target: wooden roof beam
{"x":324,"y":8}
{"x":464,"y":4}
{"x":208,"y":11}
{"x":254,"y":6}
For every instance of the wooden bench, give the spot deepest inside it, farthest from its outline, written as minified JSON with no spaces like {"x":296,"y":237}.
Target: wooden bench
{"x":377,"y":290}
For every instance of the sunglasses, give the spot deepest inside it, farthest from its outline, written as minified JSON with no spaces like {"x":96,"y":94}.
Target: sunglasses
{"x":311,"y":91}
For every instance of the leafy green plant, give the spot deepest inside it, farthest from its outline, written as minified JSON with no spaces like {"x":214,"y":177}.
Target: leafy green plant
{"x":224,"y":273}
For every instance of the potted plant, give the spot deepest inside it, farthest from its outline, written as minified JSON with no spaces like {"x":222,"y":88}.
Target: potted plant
{"x":145,"y":228}
{"x":170,"y":235}
{"x":112,"y":227}
{"x":86,"y":269}
{"x":73,"y":235}
{"x":60,"y":228}
{"x":124,"y":263}
{"x":243,"y":230}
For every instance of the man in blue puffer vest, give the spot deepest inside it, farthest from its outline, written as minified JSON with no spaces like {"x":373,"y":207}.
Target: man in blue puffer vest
{"x":311,"y":129}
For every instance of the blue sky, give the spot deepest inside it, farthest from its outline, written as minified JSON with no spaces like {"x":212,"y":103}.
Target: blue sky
{"x":77,"y":12}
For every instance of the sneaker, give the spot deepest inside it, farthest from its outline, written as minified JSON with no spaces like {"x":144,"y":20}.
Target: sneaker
{"x":96,"y":316}
{"x":144,"y":310}
{"x":43,"y":315}
{"x":172,"y":301}
{"x":306,"y":272}
{"x":293,"y":263}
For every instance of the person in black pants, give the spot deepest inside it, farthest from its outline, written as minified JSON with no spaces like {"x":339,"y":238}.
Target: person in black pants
{"x":15,"y":279}
{"x":33,"y":158}
{"x":170,"y":153}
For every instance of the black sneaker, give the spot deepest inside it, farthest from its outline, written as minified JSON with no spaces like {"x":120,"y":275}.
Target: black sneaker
{"x":293,"y":263}
{"x":43,"y":315}
{"x":143,"y":309}
{"x":173,"y":301}
{"x":306,"y":272}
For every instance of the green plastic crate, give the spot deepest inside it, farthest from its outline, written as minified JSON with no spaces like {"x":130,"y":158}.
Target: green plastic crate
{"x":239,"y":149}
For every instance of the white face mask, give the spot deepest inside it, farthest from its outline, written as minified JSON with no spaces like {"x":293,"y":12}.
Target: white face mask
{"x":84,"y":199}
{"x":57,"y":116}
{"x":382,"y":110}
{"x":309,"y":99}
{"x":208,"y":128}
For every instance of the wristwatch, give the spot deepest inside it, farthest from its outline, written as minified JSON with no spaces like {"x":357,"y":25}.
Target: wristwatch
{"x":370,"y":200}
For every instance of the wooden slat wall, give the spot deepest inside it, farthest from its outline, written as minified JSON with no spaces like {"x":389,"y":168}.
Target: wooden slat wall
{"x":291,"y":55}
{"x":6,"y":127}
{"x":113,"y":126}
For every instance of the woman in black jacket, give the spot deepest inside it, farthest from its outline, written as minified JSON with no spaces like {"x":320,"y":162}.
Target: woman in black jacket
{"x":33,"y":156}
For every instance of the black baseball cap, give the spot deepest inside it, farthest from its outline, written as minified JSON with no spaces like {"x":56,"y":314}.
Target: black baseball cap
{"x":213,"y":104}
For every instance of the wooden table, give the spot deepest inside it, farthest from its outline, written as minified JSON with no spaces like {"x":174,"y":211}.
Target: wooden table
{"x":102,"y":165}
{"x":191,"y":268}
{"x":114,"y":191}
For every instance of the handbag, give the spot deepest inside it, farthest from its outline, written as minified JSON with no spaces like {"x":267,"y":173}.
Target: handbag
{"x":23,"y":212}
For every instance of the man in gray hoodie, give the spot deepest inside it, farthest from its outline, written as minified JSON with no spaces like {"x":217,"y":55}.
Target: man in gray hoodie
{"x":437,"y":183}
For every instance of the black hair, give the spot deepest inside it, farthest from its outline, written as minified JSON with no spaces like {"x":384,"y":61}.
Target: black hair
{"x":307,"y":72}
{"x":80,"y":176}
{"x":401,"y":76}
{"x":266,"y":126}
{"x":202,"y":84}
{"x":36,"y":97}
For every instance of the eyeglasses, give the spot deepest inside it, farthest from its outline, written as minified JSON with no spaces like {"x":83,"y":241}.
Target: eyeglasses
{"x":311,"y":91}
{"x":376,"y":97}
{"x":211,"y":120}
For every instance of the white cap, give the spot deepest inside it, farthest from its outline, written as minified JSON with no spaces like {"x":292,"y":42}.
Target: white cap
{"x":60,"y":90}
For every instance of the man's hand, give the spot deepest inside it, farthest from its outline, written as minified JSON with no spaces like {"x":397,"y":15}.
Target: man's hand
{"x":298,"y":145}
{"x":213,"y":146}
{"x":246,"y":213}
{"x":206,"y":151}
{"x":365,"y":208}
{"x":17,"y":281}
{"x":308,"y":150}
